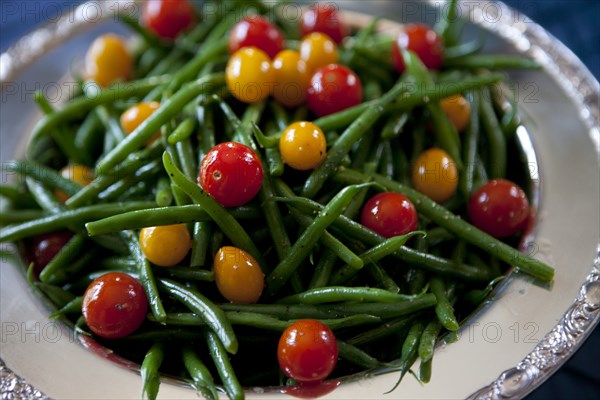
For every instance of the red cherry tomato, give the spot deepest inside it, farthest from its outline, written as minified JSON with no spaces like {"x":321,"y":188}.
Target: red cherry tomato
{"x":389,"y":214}
{"x":114,"y":305}
{"x":333,"y":88}
{"x":499,"y":208}
{"x":256,"y":31}
{"x":307,"y":351}
{"x":324,"y":18}
{"x":231,"y":173}
{"x":424,"y":41}
{"x":43,"y":248}
{"x":167,"y":18}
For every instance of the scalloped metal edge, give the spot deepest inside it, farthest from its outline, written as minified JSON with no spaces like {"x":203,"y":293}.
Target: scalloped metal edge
{"x":578,"y":321}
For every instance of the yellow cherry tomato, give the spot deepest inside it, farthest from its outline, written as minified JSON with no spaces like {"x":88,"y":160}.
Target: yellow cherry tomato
{"x":165,"y":245}
{"x":77,"y":173}
{"x":249,"y":75}
{"x":136,"y":114}
{"x":238,"y":276}
{"x":291,"y":77}
{"x":318,"y":50}
{"x":435,"y":175}
{"x":303,"y":145}
{"x":108,"y":60}
{"x":458,"y":110}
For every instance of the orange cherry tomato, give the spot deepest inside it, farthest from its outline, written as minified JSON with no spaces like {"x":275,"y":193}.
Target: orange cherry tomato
{"x":318,"y":50}
{"x":238,"y":275}
{"x":435,"y":175}
{"x":136,"y":114}
{"x":303,"y":145}
{"x":108,"y":60}
{"x":291,"y":77}
{"x":249,"y":75}
{"x":77,"y":173}
{"x":458,"y":110}
{"x":165,"y":245}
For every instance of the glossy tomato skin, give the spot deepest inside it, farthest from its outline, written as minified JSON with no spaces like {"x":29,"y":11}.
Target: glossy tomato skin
{"x":41,"y":249}
{"x":114,"y":305}
{"x":324,"y":18}
{"x":249,"y":75}
{"x":318,"y":50}
{"x":291,"y":77}
{"x":389,"y":214}
{"x":307,"y":351}
{"x":499,"y":208}
{"x":256,"y":31}
{"x":435,"y":175}
{"x":422,"y":40}
{"x":165,"y":245}
{"x":167,"y":18}
{"x":231,"y":173}
{"x":333,"y":88}
{"x":108,"y":60}
{"x":303,"y":145}
{"x":238,"y":275}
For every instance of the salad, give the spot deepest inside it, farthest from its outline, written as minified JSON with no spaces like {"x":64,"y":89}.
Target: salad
{"x":257,"y":201}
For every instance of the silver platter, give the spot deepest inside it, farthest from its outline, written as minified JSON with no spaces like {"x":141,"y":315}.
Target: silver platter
{"x":521,"y":336}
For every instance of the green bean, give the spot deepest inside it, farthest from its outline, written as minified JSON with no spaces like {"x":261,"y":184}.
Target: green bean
{"x":111,"y":123}
{"x":428,"y":339}
{"x":128,"y":167}
{"x":425,"y":371}
{"x":68,"y":218}
{"x":149,"y":370}
{"x":284,"y":311}
{"x":464,"y":49}
{"x":356,"y":356}
{"x":492,"y":62}
{"x":119,"y":189}
{"x":447,"y":25}
{"x":323,"y":270}
{"x":286,"y":267}
{"x":380,"y":275}
{"x":495,"y":136}
{"x":471,"y":139}
{"x":42,"y":174}
{"x":152,"y":124}
{"x":202,"y":379}
{"x":386,"y":310}
{"x":387,"y":329}
{"x":187,"y":158}
{"x":61,"y":136}
{"x":80,"y":105}
{"x":408,"y":100}
{"x":17,"y":195}
{"x":443,"y":308}
{"x":199,"y":304}
{"x":163,"y":195}
{"x":409,"y":351}
{"x":219,"y":355}
{"x":446,"y":134}
{"x":333,"y":294}
{"x":459,"y":227}
{"x":146,"y":275}
{"x":86,"y":137}
{"x":183,"y":131}
{"x":19,"y":216}
{"x":66,"y":255}
{"x":394,"y":126}
{"x":148,"y":60}
{"x":374,"y":254}
{"x":72,"y":307}
{"x":163,"y":333}
{"x":477,"y":296}
{"x":350,"y":136}
{"x":187,"y":273}
{"x":118,"y":264}
{"x":57,"y":295}
{"x":222,"y":217}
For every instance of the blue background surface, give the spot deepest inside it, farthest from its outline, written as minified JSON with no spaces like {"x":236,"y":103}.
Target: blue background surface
{"x":574,"y":22}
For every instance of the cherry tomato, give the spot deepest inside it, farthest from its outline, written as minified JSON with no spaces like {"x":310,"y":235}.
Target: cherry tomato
{"x":114,"y":305}
{"x":333,"y":88}
{"x":291,"y":76}
{"x":41,"y":249}
{"x":256,"y":31}
{"x":318,"y":50}
{"x":165,"y":245}
{"x":389,"y":214}
{"x":303,"y":145}
{"x":238,"y":275}
{"x":108,"y":60}
{"x":307,"y":351}
{"x":77,"y":173}
{"x":167,"y":18}
{"x":136,"y":114}
{"x":499,"y":208}
{"x":458,"y":110}
{"x":249,"y":75}
{"x":435,"y":175}
{"x":424,"y":41}
{"x":231,"y":173}
{"x":326,"y":19}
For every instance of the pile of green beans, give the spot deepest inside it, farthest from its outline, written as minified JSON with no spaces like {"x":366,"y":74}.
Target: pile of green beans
{"x":389,"y":301}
